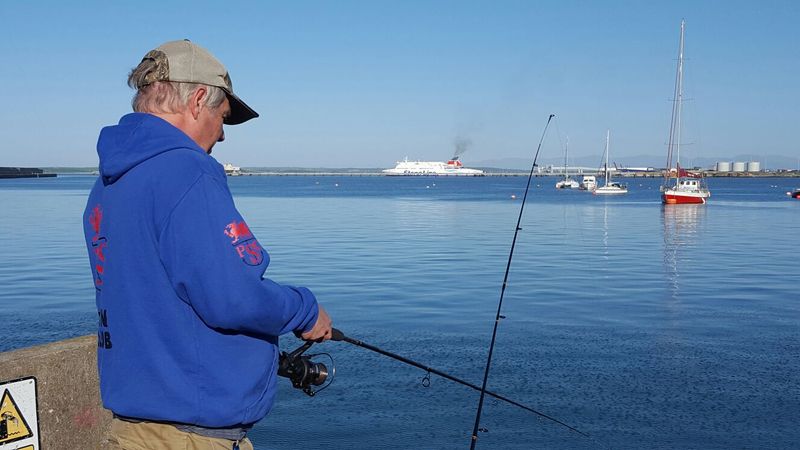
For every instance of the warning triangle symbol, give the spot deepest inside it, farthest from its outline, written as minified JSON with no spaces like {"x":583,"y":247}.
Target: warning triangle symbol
{"x":13,"y":426}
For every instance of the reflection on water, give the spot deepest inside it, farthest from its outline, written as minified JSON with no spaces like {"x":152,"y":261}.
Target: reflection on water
{"x":605,"y":231}
{"x":682,"y":231}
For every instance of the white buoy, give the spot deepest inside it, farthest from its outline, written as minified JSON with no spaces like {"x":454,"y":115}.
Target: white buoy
{"x":513,"y":197}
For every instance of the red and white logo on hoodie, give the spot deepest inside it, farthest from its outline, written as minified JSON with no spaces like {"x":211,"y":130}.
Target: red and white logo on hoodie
{"x":245,"y":244}
{"x":99,"y":244}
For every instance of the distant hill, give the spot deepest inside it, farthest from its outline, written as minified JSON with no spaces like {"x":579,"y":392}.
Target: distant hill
{"x":767,"y":162}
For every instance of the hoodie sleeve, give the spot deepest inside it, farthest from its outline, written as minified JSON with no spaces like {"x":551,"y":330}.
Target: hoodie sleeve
{"x":217,"y":266}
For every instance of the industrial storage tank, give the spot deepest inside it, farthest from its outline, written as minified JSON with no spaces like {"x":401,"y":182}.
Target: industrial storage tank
{"x":754,"y":166}
{"x":723,"y":166}
{"x":738,"y":166}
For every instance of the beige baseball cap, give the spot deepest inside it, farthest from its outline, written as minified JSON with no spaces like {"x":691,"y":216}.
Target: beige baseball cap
{"x":186,"y":62}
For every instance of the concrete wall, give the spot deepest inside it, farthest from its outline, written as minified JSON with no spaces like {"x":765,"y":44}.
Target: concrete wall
{"x":70,"y":412}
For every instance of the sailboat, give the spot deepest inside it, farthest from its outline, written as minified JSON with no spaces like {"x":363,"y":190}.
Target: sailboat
{"x":680,"y":186}
{"x":567,"y":182}
{"x":610,"y":187}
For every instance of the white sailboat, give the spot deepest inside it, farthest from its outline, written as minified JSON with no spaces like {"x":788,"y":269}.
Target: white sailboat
{"x":680,"y":186}
{"x":567,"y":182}
{"x":610,"y":187}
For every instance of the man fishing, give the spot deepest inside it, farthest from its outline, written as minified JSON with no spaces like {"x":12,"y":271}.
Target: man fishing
{"x":188,"y":323}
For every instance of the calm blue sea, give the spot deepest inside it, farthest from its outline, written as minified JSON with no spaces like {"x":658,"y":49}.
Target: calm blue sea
{"x":642,"y":325}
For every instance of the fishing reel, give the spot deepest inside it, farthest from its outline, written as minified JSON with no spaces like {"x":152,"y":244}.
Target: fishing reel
{"x":305,"y":373}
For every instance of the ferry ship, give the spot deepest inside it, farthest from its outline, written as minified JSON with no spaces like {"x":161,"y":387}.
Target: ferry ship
{"x":453,"y":167}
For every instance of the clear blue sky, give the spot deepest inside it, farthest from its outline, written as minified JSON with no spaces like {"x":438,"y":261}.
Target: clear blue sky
{"x":362,"y":84}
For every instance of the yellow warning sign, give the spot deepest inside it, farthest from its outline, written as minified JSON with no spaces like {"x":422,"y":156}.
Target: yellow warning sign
{"x":13,"y":426}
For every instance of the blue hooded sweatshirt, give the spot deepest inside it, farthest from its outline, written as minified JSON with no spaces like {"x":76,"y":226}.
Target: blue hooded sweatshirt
{"x":188,"y":324}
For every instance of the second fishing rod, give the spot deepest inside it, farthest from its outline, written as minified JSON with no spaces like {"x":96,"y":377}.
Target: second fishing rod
{"x":499,"y":315}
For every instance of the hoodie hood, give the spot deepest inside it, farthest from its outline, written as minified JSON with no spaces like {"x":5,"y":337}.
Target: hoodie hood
{"x":137,"y":138}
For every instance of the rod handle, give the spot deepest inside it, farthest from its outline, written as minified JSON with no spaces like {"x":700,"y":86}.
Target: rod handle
{"x":337,"y":335}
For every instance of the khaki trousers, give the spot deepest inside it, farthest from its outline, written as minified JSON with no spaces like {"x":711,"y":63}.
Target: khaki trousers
{"x":157,"y":436}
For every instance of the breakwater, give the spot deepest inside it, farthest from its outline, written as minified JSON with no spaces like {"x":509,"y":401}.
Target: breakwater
{"x":24,"y":172}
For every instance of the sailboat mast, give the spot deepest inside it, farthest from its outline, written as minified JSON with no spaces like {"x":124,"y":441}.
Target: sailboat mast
{"x":680,"y":99}
{"x":677,"y":99}
{"x":608,"y":137}
{"x":566,"y":149}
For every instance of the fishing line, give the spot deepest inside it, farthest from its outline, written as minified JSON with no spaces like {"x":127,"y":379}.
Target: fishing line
{"x":483,"y":390}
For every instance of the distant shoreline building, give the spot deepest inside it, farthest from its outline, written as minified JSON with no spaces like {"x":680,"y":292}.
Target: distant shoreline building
{"x":738,"y":166}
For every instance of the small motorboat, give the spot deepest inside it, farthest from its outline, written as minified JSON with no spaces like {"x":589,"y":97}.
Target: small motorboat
{"x":794,"y":194}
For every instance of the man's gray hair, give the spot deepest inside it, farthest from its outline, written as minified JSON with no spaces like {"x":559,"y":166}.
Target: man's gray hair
{"x":166,"y":96}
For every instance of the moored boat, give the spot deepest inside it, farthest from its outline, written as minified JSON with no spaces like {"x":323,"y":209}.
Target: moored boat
{"x":680,"y":186}
{"x":612,"y":187}
{"x":688,"y":189}
{"x":588,"y":183}
{"x":609,"y":187}
{"x":567,"y":182}
{"x":794,"y":194}
{"x":231,"y":170}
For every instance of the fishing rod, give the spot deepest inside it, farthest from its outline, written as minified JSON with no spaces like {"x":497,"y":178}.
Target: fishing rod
{"x":303,"y":372}
{"x":497,"y":318}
